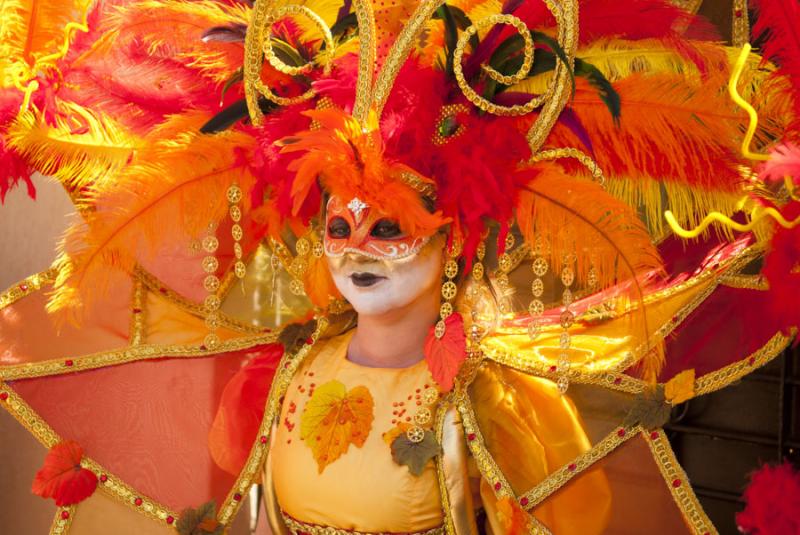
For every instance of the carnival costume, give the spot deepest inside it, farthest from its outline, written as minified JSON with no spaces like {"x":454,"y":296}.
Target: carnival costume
{"x":190,"y":342}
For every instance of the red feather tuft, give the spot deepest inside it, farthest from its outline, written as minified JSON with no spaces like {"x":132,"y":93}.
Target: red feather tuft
{"x":784,"y":161}
{"x":446,"y":355}
{"x":773,"y":502}
{"x":62,"y":477}
{"x":781,"y":270}
{"x":780,"y":20}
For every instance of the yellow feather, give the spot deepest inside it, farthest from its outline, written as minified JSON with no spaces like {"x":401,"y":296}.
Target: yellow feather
{"x":170,"y":194}
{"x":81,"y":150}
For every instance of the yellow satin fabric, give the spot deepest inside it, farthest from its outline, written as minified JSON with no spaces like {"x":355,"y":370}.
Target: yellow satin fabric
{"x":531,"y":430}
{"x":363,"y":490}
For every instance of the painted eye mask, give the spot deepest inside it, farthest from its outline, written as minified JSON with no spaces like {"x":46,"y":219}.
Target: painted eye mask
{"x":355,"y":227}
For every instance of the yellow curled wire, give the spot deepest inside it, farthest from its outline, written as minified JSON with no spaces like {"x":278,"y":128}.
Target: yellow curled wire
{"x":759,"y":212}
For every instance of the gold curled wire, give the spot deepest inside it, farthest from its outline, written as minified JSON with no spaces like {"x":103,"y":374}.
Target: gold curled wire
{"x":292,"y":10}
{"x":742,"y":103}
{"x":576,"y":154}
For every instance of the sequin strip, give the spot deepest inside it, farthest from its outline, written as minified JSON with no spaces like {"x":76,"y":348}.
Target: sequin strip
{"x":62,"y":520}
{"x":301,"y":528}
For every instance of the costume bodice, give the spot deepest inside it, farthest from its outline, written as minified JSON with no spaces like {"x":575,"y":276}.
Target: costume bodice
{"x":363,"y":489}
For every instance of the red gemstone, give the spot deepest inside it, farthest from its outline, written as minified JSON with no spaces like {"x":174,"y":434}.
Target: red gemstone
{"x":263,"y":439}
{"x":739,"y":13}
{"x":137,"y":310}
{"x":162,"y":290}
{"x":23,"y":287}
{"x":103,"y":478}
{"x":621,"y":433}
{"x":654,"y":435}
{"x":676,"y":483}
{"x":138,"y":501}
{"x":572,"y":467}
{"x":3,"y":396}
{"x":751,"y":361}
{"x":309,"y":340}
{"x":470,"y":437}
{"x":64,"y":515}
{"x":523,"y":502}
{"x":553,"y":369}
{"x":170,"y":519}
{"x":497,"y":486}
{"x":237,"y":497}
{"x":618,"y":380}
{"x":68,"y":362}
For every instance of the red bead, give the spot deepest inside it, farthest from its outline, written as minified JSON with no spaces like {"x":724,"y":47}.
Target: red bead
{"x":170,"y":519}
{"x":138,"y":502}
{"x":572,"y":467}
{"x":738,"y":13}
{"x":137,"y":310}
{"x":751,"y":361}
{"x":263,"y":439}
{"x":237,"y":497}
{"x":654,"y":435}
{"x":621,"y":433}
{"x":23,"y":287}
{"x":103,"y":478}
{"x":162,"y":290}
{"x":497,"y":486}
{"x":523,"y":502}
{"x":3,"y":396}
{"x":64,"y":515}
{"x":471,"y":437}
{"x":676,"y":483}
{"x":68,"y":362}
{"x":553,"y":369}
{"x":309,"y":341}
{"x":618,"y":381}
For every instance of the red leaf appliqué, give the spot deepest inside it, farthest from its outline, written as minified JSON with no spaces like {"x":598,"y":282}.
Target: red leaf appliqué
{"x":445,"y":356}
{"x":62,"y":477}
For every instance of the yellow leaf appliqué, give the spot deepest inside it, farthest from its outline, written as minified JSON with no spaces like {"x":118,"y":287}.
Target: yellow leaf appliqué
{"x":680,"y":388}
{"x":335,"y":418}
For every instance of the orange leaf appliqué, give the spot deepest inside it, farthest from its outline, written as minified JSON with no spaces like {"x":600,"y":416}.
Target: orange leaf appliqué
{"x":335,"y":418}
{"x":513,"y":518}
{"x":62,"y":477}
{"x":446,"y":355}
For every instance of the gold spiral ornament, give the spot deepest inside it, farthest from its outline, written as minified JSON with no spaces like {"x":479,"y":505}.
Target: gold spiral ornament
{"x":292,"y":11}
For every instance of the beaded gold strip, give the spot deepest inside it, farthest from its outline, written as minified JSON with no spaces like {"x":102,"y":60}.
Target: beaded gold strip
{"x":62,"y":520}
{"x":740,"y":34}
{"x":128,"y":354}
{"x":449,"y":526}
{"x":565,"y":474}
{"x":733,"y":372}
{"x":678,"y":483}
{"x":138,"y":313}
{"x":296,"y":527}
{"x":289,"y":364}
{"x":688,"y":5}
{"x":27,"y":286}
{"x":575,"y":154}
{"x":745,"y":282}
{"x":107,"y":482}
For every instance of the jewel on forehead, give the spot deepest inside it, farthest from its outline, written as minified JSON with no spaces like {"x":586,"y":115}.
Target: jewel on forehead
{"x":357,"y":206}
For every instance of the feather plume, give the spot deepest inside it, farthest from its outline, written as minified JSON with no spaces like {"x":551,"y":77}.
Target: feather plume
{"x":779,"y":20}
{"x":34,"y":28}
{"x":784,"y":161}
{"x":607,"y":236}
{"x":169,"y":194}
{"x":175,"y":29}
{"x":80,"y":150}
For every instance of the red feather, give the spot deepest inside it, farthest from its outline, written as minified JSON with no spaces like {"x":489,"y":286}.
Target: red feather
{"x":781,"y":270}
{"x":446,"y":355}
{"x":773,"y":502}
{"x":784,"y":161}
{"x":780,"y":21}
{"x":62,"y":477}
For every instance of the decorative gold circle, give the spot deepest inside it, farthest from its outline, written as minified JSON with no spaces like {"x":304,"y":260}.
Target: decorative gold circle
{"x":449,"y":290}
{"x":539,"y":266}
{"x":415,"y":434}
{"x":236,"y":213}
{"x":237,"y":232}
{"x":211,"y":283}
{"x":430,"y":395}
{"x":536,"y":308}
{"x":440,"y":329}
{"x":315,"y":19}
{"x":564,"y":340}
{"x":451,"y":269}
{"x":296,"y":287}
{"x":567,"y":276}
{"x":592,"y":278}
{"x":504,"y":262}
{"x":480,"y":252}
{"x":210,"y":244}
{"x":477,"y":271}
{"x":240,"y":269}
{"x":212,"y":320}
{"x":456,"y":248}
{"x":237,"y":250}
{"x":234,"y":194}
{"x":318,"y":250}
{"x":567,"y":319}
{"x":537,"y":287}
{"x":423,"y":416}
{"x":211,"y":341}
{"x":302,"y":247}
{"x":210,"y":264}
{"x":445,"y":310}
{"x":212,"y":302}
{"x":567,"y":298}
{"x":534,"y":329}
{"x":510,"y":240}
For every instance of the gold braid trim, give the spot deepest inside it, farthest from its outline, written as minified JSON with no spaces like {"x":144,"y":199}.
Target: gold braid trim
{"x":280,"y":384}
{"x":565,"y":474}
{"x":678,"y":483}
{"x":128,"y":354}
{"x":296,"y":527}
{"x":62,"y":520}
{"x":746,"y":282}
{"x":27,"y":286}
{"x":448,"y":527}
{"x":733,"y":372}
{"x":740,"y":33}
{"x":138,"y":313}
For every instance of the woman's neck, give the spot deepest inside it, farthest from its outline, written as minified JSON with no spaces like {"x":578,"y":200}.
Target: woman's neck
{"x":395,"y":339}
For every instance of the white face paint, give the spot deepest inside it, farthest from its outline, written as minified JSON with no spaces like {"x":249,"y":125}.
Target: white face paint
{"x":375,"y":287}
